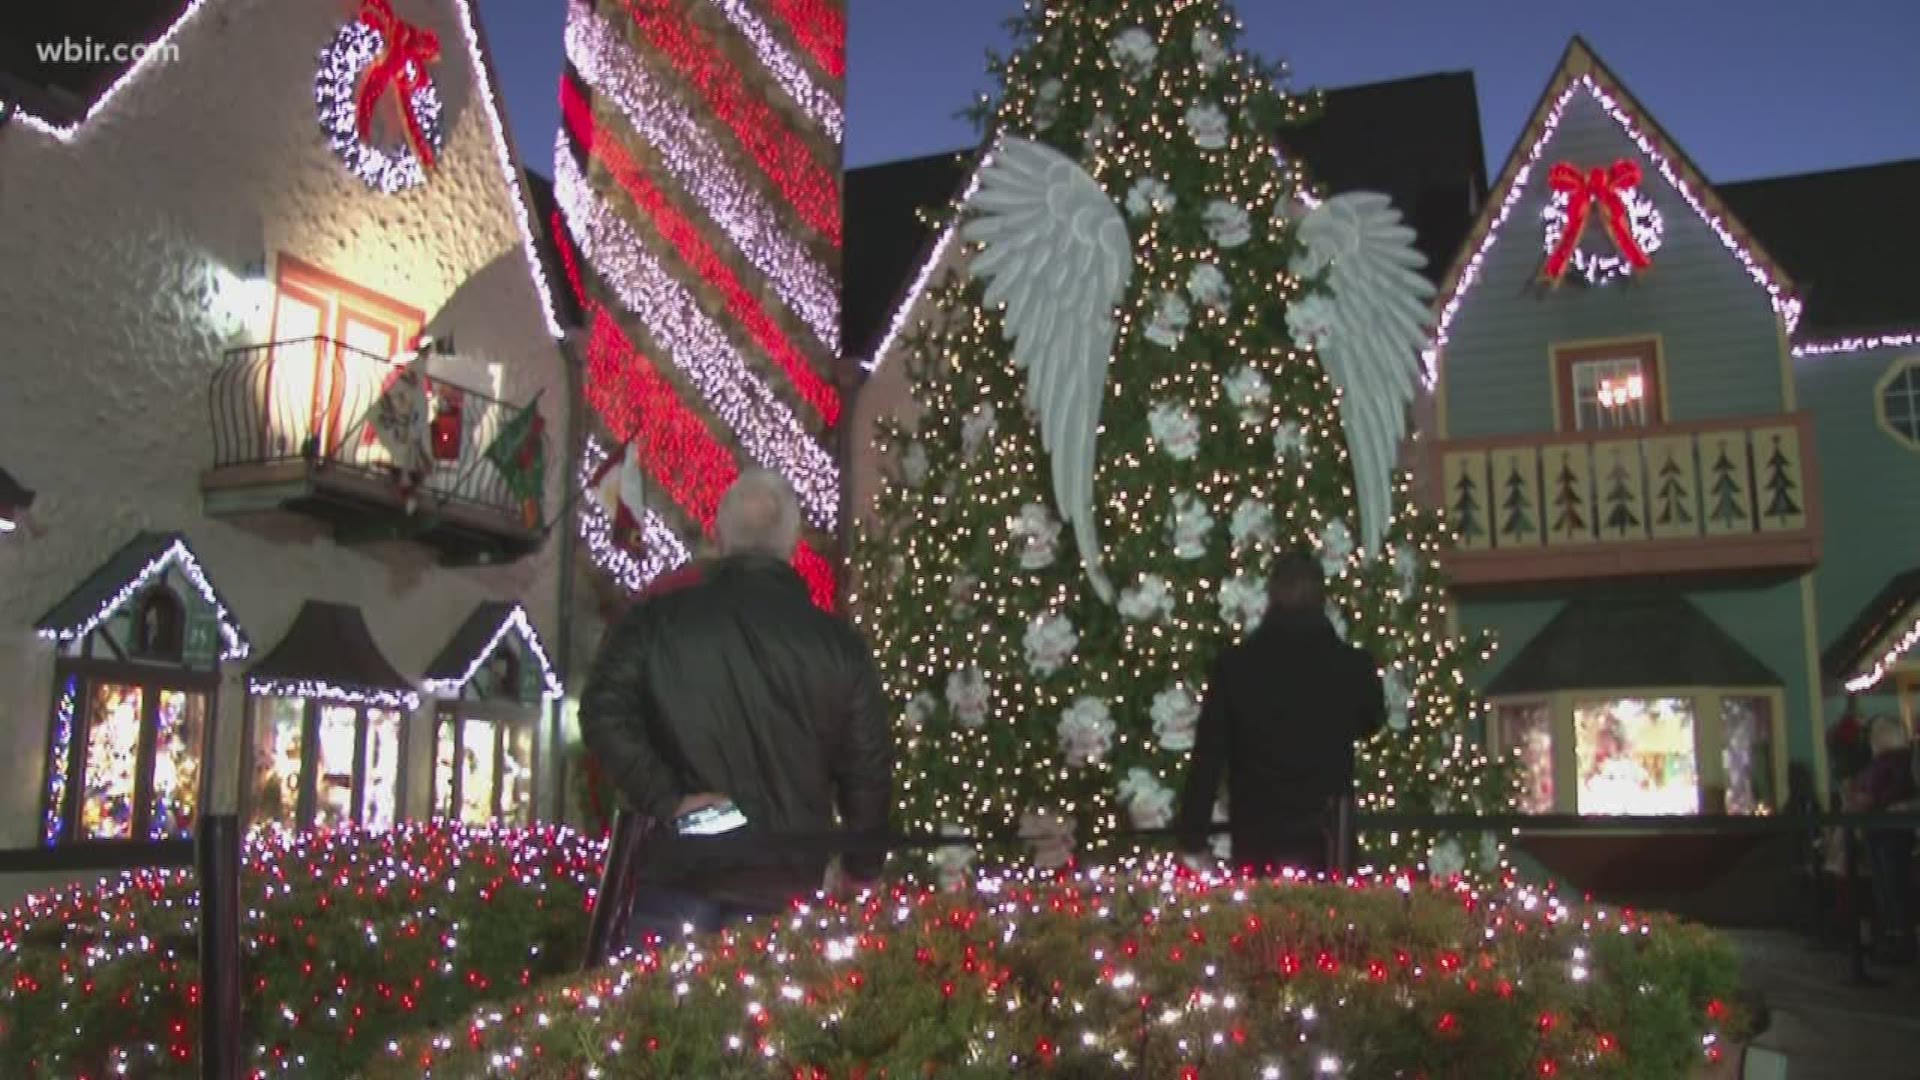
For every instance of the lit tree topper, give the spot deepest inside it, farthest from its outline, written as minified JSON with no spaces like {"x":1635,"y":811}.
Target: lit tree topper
{"x":1368,"y":325}
{"x":1057,"y":254}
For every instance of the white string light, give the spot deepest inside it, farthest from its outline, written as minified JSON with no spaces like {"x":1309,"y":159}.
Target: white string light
{"x":662,"y":550}
{"x":321,"y":690}
{"x":236,"y":646}
{"x":386,"y":169}
{"x":160,"y":48}
{"x":1867,"y":680}
{"x":1905,"y":340}
{"x":515,"y":622}
{"x":764,"y":425}
{"x":611,"y":67}
{"x":1784,"y":304}
{"x":898,"y":321}
{"x":788,"y":72}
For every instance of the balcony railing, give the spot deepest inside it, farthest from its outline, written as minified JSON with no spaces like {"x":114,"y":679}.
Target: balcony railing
{"x":303,"y":409}
{"x":1721,"y":496}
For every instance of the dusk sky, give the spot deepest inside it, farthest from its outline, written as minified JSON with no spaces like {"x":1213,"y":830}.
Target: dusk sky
{"x":1748,"y":87}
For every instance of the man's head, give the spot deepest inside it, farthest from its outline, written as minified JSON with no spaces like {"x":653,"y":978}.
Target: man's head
{"x":759,"y":515}
{"x":1296,"y":584}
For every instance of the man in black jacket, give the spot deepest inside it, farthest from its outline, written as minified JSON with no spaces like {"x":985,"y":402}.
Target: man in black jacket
{"x":731,"y":686}
{"x":1283,"y":711}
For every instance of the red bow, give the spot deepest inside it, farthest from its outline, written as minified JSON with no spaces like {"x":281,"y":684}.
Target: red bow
{"x":401,"y":67}
{"x":1583,"y":190}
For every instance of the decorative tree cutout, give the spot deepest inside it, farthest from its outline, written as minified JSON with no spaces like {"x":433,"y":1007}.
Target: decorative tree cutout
{"x":1621,"y":518}
{"x":1518,"y":505}
{"x":1569,"y":500}
{"x":1672,"y":496}
{"x":1728,"y":509}
{"x":1466,"y":508}
{"x":1781,"y":486}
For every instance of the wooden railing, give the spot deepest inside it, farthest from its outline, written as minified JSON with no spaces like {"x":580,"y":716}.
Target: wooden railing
{"x":1725,"y":495}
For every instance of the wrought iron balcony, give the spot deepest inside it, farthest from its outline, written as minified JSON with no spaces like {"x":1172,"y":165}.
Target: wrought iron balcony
{"x":1726,"y":496}
{"x":294,"y":429}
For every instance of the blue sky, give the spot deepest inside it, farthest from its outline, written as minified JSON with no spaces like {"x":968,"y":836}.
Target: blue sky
{"x":1748,"y":87}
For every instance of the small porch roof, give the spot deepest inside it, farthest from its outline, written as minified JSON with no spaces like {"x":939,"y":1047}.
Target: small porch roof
{"x":477,"y":639}
{"x":329,"y":655}
{"x":1630,"y":641}
{"x":1886,"y":627}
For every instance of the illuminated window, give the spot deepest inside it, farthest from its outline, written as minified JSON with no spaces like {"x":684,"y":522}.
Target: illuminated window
{"x":1747,"y":724}
{"x":483,"y":769}
{"x":1526,"y":732}
{"x":324,"y":765}
{"x":1898,"y":402}
{"x":1636,"y":756}
{"x":1609,"y":388}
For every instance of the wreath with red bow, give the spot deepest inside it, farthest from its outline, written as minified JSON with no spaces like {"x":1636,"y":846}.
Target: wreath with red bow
{"x":1605,"y":204}
{"x":381,"y":60}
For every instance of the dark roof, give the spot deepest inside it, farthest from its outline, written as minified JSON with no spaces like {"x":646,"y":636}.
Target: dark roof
{"x":1624,"y":640}
{"x":328,"y":644}
{"x":1416,"y":140}
{"x":60,"y":90}
{"x":1842,"y":235}
{"x":1890,"y":608}
{"x":83,"y":607}
{"x":544,"y":208}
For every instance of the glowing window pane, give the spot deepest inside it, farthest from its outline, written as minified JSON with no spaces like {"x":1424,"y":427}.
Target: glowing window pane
{"x":182,"y":725}
{"x":64,"y":714}
{"x":278,"y":732}
{"x":443,"y":750}
{"x":516,"y":775}
{"x":113,"y":755}
{"x":382,"y":800}
{"x":476,"y":772}
{"x":333,"y":801}
{"x":1527,"y":731}
{"x":1636,"y":756}
{"x":1748,"y":756}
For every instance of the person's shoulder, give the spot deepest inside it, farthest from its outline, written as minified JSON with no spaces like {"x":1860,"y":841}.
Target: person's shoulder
{"x":674,"y":581}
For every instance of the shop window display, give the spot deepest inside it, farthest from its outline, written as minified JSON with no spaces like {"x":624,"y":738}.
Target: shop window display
{"x":1747,"y":722}
{"x":1527,"y":731}
{"x":493,"y":680}
{"x":324,"y":765}
{"x":1636,"y":756}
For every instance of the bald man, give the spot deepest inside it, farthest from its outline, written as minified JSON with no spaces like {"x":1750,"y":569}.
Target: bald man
{"x":726,"y":705}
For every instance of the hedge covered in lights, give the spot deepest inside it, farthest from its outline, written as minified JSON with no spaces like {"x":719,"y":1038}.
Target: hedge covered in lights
{"x":1129,"y":977}
{"x":351,"y":941}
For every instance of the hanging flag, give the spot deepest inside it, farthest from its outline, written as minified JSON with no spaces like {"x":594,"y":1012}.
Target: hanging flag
{"x":621,"y":487}
{"x":398,"y":421}
{"x":520,"y":453}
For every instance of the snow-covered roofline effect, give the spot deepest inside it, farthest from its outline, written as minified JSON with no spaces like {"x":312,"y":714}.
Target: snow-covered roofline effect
{"x":482,"y":70}
{"x":516,"y":622}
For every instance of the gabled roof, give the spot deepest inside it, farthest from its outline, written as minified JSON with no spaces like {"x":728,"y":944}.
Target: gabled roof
{"x":1886,"y":627}
{"x":329,"y":655}
{"x":1416,"y":140}
{"x":477,"y":640}
{"x":1581,"y":72}
{"x":120,"y":579}
{"x":1623,"y":640}
{"x":66,"y":100}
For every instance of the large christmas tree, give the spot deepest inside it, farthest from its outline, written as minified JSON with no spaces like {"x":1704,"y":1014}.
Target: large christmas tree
{"x":1162,"y":367}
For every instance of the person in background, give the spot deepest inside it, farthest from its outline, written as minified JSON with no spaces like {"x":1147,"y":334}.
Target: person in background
{"x":1888,"y":784}
{"x":1283,"y":711}
{"x":728,"y":702}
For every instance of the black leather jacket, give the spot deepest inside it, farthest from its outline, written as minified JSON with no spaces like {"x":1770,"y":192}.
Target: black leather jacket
{"x":738,"y":685}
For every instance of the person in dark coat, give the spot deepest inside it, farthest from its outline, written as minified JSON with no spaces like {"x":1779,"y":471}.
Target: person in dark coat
{"x":731,"y":687}
{"x":1887,"y":784}
{"x":1283,"y":711}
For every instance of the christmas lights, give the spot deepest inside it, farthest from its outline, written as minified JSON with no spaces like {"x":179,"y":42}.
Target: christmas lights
{"x":698,"y":164}
{"x":766,"y":429}
{"x":660,"y":550}
{"x":1785,"y":305}
{"x":820,"y":28}
{"x":1623,"y":209}
{"x":177,"y":554}
{"x":386,"y":169}
{"x":516,"y":622}
{"x":160,"y":49}
{"x":700,"y":257}
{"x":1904,"y":340}
{"x":321,"y":690}
{"x":789,"y":73}
{"x":65,"y":713}
{"x":1867,"y":680}
{"x":808,"y":187}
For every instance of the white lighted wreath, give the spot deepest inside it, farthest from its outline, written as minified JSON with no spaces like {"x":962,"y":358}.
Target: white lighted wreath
{"x":336,"y":91}
{"x":1596,"y":267}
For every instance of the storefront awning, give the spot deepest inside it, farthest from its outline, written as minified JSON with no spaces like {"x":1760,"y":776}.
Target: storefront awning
{"x":476,"y":641}
{"x":1886,"y":627}
{"x":1627,"y":641}
{"x":328,"y":655}
{"x":121,"y":578}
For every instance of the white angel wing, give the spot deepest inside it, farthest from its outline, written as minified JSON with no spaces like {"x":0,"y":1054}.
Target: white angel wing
{"x":1058,"y":256}
{"x":1372,"y":326}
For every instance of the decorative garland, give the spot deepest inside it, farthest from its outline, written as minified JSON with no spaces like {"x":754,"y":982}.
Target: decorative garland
{"x":376,"y":56}
{"x":1627,"y":214}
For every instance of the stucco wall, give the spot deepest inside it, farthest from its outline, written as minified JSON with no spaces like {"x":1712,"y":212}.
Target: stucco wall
{"x":122,"y":252}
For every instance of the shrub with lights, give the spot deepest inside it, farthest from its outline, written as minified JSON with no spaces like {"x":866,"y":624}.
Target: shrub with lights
{"x":1032,"y":703}
{"x":350,"y":940}
{"x":1105,"y":976}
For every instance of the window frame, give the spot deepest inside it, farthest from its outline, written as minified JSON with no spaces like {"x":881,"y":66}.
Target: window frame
{"x":1899,"y":367}
{"x":307,"y":799}
{"x":500,"y":717}
{"x":1568,"y":355}
{"x":152,"y":678}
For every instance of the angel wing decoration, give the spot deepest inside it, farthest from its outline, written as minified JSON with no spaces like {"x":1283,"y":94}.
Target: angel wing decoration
{"x":1369,"y":328}
{"x":1056,"y":253}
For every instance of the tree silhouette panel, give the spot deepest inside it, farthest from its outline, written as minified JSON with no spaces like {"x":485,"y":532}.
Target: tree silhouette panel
{"x":1727,"y":483}
{"x":1623,"y":504}
{"x":1569,"y":476}
{"x":1517,"y":480}
{"x":1783,"y":501}
{"x":1673,"y":479}
{"x":1467,"y":499}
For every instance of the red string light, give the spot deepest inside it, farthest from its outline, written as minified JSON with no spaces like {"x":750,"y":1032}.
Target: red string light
{"x":821,"y":29}
{"x":698,"y":254}
{"x":807,"y":186}
{"x":569,"y":258}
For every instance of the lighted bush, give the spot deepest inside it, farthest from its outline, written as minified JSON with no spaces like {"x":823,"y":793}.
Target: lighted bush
{"x":1133,"y":978}
{"x":350,"y":940}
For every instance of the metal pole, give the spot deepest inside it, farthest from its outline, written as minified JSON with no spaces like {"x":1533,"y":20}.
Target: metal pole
{"x":217,"y":858}
{"x":615,"y":895}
